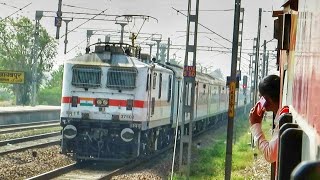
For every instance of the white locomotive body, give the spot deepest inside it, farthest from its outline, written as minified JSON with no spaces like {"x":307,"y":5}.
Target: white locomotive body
{"x":115,"y":107}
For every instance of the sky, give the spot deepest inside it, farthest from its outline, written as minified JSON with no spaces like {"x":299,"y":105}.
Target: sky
{"x":168,"y":23}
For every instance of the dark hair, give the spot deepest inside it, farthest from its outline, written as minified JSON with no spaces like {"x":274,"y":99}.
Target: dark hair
{"x":270,"y":86}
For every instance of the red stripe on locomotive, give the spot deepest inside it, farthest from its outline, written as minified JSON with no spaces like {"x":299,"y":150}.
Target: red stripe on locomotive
{"x":112,"y":102}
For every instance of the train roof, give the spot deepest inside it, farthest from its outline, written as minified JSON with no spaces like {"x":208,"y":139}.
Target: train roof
{"x":202,"y":76}
{"x":107,"y":59}
{"x":108,"y":54}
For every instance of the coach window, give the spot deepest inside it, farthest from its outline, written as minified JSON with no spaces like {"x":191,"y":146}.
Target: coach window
{"x":148,"y":82}
{"x":178,"y":98}
{"x":153,"y":103}
{"x":160,"y":84}
{"x":154,"y":81}
{"x":169,"y":88}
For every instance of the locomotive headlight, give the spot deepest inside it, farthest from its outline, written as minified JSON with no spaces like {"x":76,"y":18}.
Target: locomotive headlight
{"x":105,"y":102}
{"x":70,"y":131}
{"x":99,"y":102}
{"x":127,"y":134}
{"x":102,"y":102}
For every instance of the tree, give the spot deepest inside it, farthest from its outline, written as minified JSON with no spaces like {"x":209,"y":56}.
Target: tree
{"x":56,"y":78}
{"x":16,"y":43}
{"x":50,"y":93}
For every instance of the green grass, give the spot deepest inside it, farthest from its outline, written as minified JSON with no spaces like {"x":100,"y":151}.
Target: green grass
{"x":210,"y":162}
{"x":28,"y":133}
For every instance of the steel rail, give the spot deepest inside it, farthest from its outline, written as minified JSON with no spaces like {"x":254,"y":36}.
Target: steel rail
{"x":27,"y":127}
{"x":117,"y":171}
{"x":108,"y":174}
{"x":29,"y":138}
{"x":56,"y":172}
{"x":40,"y":145}
{"x":28,"y":124}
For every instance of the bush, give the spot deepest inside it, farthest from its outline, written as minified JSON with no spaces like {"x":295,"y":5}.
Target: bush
{"x":50,"y":96}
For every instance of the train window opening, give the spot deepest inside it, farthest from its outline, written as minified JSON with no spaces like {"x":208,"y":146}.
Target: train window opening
{"x":169,"y":88}
{"x":153,"y":103}
{"x":148,"y":82}
{"x":154,"y":81}
{"x":121,"y":78}
{"x":178,"y":98}
{"x":86,"y":76}
{"x":160,"y":84}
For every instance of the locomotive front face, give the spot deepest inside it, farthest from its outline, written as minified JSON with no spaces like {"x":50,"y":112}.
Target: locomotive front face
{"x":103,"y":109}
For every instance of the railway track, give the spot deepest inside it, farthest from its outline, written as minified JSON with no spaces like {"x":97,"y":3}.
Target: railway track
{"x":22,"y":144}
{"x":27,"y":126}
{"x":28,"y":138}
{"x":103,"y":170}
{"x":95,"y":170}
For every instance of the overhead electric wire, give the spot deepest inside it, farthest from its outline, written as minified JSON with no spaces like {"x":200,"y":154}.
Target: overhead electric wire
{"x":268,"y":41}
{"x":94,"y":33}
{"x":77,"y":45}
{"x":82,"y":18}
{"x":215,"y":34}
{"x":193,"y":33}
{"x":5,"y":4}
{"x":20,"y":9}
{"x":218,"y":43}
{"x":203,"y":26}
{"x":82,"y":13}
{"x":145,"y":39}
{"x":213,"y":10}
{"x":78,"y":7}
{"x":84,"y":22}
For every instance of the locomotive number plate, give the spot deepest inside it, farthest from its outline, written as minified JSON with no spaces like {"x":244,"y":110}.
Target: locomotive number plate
{"x":126,"y":116}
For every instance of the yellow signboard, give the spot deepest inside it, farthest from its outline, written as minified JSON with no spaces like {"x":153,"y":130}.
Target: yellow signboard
{"x":232,"y":92}
{"x":11,"y":77}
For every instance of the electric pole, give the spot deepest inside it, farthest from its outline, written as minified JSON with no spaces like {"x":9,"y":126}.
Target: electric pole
{"x":39,"y":15}
{"x":267,"y":64}
{"x":256,"y":69}
{"x":158,"y":47}
{"x":264,"y":58}
{"x":188,"y":93}
{"x":253,"y":81}
{"x":150,"y":46}
{"x":66,"y":36}
{"x":107,"y":38}
{"x":58,"y":19}
{"x":89,"y":34}
{"x":232,"y":89}
{"x":240,"y":50}
{"x":168,"y":50}
{"x":250,"y":72}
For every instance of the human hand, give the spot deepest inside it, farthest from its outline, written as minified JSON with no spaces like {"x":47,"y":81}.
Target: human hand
{"x":254,"y":117}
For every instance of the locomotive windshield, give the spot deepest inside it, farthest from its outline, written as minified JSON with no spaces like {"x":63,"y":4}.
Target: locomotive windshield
{"x":86,"y":76}
{"x":121,"y":78}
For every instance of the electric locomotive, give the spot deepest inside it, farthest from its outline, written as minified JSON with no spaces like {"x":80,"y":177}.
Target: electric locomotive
{"x":116,"y":107}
